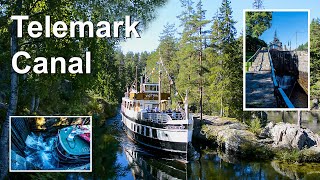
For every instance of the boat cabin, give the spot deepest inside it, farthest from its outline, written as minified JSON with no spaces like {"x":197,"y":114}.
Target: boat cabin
{"x":147,"y":98}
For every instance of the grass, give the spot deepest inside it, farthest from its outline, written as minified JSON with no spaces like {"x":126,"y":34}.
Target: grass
{"x":289,"y":156}
{"x":248,"y":64}
{"x":298,"y":170}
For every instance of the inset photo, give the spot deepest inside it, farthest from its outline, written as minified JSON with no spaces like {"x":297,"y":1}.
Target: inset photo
{"x":276,"y":67}
{"x":50,"y":144}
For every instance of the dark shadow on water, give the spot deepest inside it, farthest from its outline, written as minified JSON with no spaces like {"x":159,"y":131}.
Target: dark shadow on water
{"x":135,"y":162}
{"x":117,"y":157}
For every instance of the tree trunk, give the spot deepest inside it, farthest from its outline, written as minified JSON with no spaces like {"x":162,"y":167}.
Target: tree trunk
{"x":221,"y":107}
{"x":299,"y":118}
{"x":33,"y":102}
{"x":37,"y":104}
{"x":4,"y":141}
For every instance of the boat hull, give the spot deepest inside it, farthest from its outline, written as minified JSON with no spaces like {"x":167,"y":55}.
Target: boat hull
{"x":179,"y":137}
{"x":65,"y":156}
{"x":62,"y":156}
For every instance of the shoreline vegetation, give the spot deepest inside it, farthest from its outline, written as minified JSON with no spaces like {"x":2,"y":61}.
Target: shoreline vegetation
{"x":290,"y":148}
{"x":99,"y":93}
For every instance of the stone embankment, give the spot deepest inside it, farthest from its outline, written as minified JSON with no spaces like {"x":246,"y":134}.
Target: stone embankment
{"x":234,"y":137}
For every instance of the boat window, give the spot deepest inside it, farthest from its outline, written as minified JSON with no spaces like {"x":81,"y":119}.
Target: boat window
{"x":131,"y":126}
{"x":147,"y":131}
{"x":147,"y":88}
{"x":142,"y":130}
{"x":138,"y":129}
{"x":134,"y":128}
{"x":154,"y":133}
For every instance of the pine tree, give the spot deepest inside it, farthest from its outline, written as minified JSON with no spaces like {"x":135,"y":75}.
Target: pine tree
{"x":257,"y":23}
{"x":257,"y":4}
{"x":61,"y":93}
{"x":315,"y":58}
{"x":226,"y":71}
{"x":227,"y":29}
{"x":189,"y":55}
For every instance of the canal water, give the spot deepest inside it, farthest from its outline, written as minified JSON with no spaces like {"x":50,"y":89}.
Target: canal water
{"x":294,"y":91}
{"x":130,"y":161}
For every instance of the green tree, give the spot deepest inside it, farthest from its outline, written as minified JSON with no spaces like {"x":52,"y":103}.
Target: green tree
{"x":257,"y":23}
{"x":166,"y":51}
{"x":189,"y":55}
{"x":303,"y":47}
{"x":315,"y":58}
{"x":61,"y":93}
{"x":225,"y":72}
{"x":257,"y":4}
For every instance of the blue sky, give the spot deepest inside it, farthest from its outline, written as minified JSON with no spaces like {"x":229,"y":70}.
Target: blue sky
{"x":287,"y":24}
{"x":150,"y":37}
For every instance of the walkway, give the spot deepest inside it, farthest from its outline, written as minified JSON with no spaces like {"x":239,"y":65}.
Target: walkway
{"x":259,"y":85}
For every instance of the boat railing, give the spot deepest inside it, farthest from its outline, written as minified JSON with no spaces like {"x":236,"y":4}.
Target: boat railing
{"x":161,"y":118}
{"x":176,"y":115}
{"x":157,"y":117}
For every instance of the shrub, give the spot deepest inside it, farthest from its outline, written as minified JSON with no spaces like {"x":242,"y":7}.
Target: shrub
{"x":255,"y":126}
{"x":289,"y":156}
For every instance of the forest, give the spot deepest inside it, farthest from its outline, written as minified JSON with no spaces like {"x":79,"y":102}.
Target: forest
{"x":204,"y":58}
{"x":95,"y":94}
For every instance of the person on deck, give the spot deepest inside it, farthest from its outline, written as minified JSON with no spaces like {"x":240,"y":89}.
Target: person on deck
{"x":174,"y":114}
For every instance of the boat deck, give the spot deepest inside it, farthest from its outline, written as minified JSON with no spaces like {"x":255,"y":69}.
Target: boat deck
{"x":76,"y":147}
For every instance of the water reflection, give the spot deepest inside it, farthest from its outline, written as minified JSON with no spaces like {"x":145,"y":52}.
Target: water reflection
{"x":117,"y":157}
{"x":106,"y":147}
{"x":213,"y":165}
{"x":147,"y":167}
{"x":141,"y":163}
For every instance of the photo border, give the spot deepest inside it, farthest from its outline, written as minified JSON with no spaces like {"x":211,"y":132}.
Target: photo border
{"x":91,"y":152}
{"x":244,"y":59}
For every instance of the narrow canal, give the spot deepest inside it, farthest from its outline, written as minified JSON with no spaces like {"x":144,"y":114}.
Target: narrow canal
{"x":135,"y":162}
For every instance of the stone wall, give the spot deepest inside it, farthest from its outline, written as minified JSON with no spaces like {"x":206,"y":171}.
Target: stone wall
{"x":303,"y":61}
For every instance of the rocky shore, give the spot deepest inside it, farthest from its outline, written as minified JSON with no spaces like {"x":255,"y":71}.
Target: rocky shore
{"x":280,"y":139}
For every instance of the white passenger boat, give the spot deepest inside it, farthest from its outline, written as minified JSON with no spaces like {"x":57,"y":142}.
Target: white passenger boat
{"x":148,"y":119}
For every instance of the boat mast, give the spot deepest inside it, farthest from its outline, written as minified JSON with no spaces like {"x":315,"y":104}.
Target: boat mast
{"x":201,"y":88}
{"x":136,"y":85}
{"x":160,"y":83}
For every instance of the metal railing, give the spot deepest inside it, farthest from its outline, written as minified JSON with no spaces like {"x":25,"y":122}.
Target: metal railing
{"x":282,"y":98}
{"x":249,"y":62}
{"x":161,"y":118}
{"x":254,"y":55}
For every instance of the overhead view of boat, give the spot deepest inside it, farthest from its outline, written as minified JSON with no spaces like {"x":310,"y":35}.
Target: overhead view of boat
{"x":149,"y":120}
{"x":73,"y":144}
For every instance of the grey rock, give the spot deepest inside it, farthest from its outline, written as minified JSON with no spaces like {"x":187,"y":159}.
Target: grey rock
{"x":291,"y":136}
